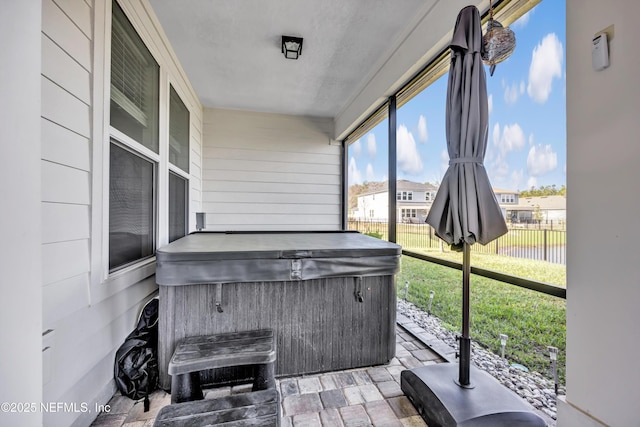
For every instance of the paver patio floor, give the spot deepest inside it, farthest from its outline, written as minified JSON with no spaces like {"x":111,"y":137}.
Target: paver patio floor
{"x":369,"y":396}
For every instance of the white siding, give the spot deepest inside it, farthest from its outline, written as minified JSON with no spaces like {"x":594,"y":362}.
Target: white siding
{"x":62,"y":146}
{"x":66,"y":186}
{"x":269,"y":172}
{"x":64,"y":297}
{"x":65,"y":31}
{"x":90,"y":313}
{"x":378,"y":203}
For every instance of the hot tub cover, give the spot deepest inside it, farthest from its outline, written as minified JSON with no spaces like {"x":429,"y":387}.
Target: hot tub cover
{"x":210,"y":257}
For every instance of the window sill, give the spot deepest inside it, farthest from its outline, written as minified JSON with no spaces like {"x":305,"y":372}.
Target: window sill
{"x":132,"y":274}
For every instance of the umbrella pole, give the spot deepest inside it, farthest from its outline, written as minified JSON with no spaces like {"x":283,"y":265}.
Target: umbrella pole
{"x":465,"y":340}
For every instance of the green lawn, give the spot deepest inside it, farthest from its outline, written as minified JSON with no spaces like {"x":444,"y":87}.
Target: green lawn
{"x":532,"y":320}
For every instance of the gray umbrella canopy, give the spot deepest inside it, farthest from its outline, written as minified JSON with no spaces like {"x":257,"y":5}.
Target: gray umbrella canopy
{"x":465,"y":209}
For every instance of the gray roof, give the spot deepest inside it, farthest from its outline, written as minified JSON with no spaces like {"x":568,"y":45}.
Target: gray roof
{"x":547,"y":203}
{"x":404,"y":185}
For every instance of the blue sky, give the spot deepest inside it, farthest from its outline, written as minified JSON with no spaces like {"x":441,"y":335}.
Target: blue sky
{"x":527,"y":119}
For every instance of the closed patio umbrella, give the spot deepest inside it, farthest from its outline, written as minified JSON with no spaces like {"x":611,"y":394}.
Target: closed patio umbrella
{"x":465,"y":209}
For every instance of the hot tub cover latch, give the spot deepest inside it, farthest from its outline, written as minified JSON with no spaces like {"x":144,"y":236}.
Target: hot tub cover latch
{"x":296,"y":269}
{"x":219,"y":297}
{"x":358,"y":292}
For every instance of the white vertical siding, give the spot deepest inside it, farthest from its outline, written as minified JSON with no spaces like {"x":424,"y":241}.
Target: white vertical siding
{"x":90,"y":316}
{"x":269,"y":172}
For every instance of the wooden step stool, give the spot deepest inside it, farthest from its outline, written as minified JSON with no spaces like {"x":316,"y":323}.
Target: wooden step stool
{"x":195,"y":354}
{"x":257,"y":408}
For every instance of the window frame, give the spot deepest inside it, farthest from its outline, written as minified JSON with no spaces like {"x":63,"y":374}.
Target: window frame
{"x":117,"y":96}
{"x":134,"y":272}
{"x":408,"y":213}
{"x":404,"y":196}
{"x":171,"y":91}
{"x":154,"y":205}
{"x":118,"y":137}
{"x":507,"y":198}
{"x":185,"y":179}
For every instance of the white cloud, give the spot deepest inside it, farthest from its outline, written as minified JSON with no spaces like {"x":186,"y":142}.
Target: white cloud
{"x":490,"y":103}
{"x":513,"y":92}
{"x":532,"y":182}
{"x":371,"y":145}
{"x":546,"y":64}
{"x":516,"y":180}
{"x":409,"y":160}
{"x":370,"y":175}
{"x":512,"y":138}
{"x":423,"y":134}
{"x":356,"y":147}
{"x":499,"y":170}
{"x":495,"y":135}
{"x":355,"y":176}
{"x":522,"y":21}
{"x":541,"y":160}
{"x":530,"y":139}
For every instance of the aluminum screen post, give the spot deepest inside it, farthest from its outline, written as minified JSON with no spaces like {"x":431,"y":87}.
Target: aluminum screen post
{"x":393,"y":175}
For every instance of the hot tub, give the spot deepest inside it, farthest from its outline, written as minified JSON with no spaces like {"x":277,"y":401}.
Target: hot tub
{"x":329,"y":296}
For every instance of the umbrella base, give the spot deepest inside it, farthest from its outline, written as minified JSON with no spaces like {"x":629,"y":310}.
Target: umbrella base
{"x":442,"y":403}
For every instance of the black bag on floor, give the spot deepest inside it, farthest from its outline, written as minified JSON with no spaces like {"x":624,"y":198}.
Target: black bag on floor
{"x":136,"y":364}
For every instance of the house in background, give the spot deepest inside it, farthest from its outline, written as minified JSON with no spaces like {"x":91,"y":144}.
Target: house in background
{"x":261,"y":155}
{"x":506,"y":197}
{"x":549,"y":209}
{"x":413,"y":201}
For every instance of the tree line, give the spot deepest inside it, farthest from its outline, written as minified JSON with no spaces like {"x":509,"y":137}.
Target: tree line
{"x":545,"y":190}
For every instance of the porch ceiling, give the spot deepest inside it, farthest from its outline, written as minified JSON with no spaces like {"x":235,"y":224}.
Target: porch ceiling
{"x":230,"y":49}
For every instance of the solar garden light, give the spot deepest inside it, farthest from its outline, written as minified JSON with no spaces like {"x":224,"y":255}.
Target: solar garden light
{"x":406,"y":290}
{"x":431,"y":294}
{"x":503,"y":342}
{"x":553,"y":355}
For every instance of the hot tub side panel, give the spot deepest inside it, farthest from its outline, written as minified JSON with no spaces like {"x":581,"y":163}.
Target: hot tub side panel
{"x":320,"y":324}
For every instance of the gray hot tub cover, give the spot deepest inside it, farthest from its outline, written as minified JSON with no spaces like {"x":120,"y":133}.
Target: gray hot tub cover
{"x":202,"y":258}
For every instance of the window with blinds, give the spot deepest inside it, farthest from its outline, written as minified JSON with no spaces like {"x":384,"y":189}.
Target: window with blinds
{"x":177,"y":206}
{"x":134,"y":83}
{"x":131,"y":207}
{"x":133,"y":175}
{"x":178,"y":131}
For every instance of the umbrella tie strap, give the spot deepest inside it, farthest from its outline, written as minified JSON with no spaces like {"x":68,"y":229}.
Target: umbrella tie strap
{"x":466,"y":160}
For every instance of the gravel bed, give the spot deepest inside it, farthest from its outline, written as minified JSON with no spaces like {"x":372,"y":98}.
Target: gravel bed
{"x":532,"y":386}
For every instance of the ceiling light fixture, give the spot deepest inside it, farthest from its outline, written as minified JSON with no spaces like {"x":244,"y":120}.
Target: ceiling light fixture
{"x":291,"y":47}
